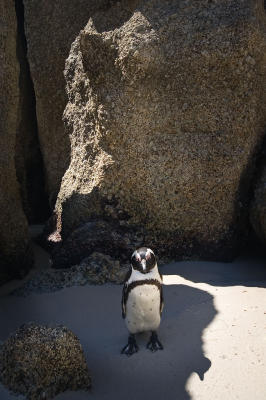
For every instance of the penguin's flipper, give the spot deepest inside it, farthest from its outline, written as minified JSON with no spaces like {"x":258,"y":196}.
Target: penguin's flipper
{"x":124,"y":301}
{"x":128,"y":275}
{"x":161,"y":300}
{"x":124,"y":294}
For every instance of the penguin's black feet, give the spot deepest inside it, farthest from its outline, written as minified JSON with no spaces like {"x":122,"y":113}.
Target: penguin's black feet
{"x":154,"y":344}
{"x":131,"y":346}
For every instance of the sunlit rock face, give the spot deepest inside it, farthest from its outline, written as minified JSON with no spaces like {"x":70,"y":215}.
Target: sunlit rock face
{"x":165,"y":113}
{"x":51,"y":27}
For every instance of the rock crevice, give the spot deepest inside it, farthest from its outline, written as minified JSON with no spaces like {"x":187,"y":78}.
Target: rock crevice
{"x":15,"y":251}
{"x":28,"y":158}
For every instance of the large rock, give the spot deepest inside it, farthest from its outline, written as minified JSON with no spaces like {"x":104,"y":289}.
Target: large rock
{"x":41,"y":361}
{"x":166,"y":109}
{"x":15,"y":254}
{"x":50,"y":28}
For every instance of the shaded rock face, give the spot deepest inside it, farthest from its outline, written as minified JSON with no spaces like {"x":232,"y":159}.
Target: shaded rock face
{"x":96,"y":236}
{"x":15,"y":253}
{"x":258,"y":205}
{"x":166,"y":109}
{"x":40,"y":362}
{"x":50,"y":29}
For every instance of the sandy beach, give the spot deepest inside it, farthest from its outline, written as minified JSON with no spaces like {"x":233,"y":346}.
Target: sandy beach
{"x":213,"y":330}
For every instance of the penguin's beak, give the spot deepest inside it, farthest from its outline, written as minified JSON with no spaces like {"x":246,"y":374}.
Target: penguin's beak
{"x":143,"y":263}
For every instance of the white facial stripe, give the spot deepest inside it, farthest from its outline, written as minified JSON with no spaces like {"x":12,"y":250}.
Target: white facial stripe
{"x":143,"y":263}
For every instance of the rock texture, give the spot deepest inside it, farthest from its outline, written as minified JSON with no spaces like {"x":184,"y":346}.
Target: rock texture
{"x":166,"y":110}
{"x":40,"y":362}
{"x":258,"y":205}
{"x":101,"y":268}
{"x":51,"y":27}
{"x":15,"y":254}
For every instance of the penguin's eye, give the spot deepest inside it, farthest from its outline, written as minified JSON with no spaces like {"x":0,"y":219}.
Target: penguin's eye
{"x":151,"y":261}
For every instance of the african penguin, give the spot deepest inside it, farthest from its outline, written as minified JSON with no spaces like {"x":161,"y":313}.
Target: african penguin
{"x":142,"y":300}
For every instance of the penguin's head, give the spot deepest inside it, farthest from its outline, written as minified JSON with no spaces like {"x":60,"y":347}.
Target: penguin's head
{"x":143,"y":260}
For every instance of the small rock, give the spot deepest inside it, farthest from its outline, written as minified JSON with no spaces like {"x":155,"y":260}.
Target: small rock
{"x":40,"y":362}
{"x":96,"y":269}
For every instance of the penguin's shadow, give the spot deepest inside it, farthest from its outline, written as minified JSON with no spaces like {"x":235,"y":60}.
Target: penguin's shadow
{"x":188,"y":311}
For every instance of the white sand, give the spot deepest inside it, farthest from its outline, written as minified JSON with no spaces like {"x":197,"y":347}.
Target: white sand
{"x":213,"y":330}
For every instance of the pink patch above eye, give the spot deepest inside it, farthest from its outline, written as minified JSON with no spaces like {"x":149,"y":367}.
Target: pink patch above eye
{"x":138,"y":257}
{"x":148,"y":255}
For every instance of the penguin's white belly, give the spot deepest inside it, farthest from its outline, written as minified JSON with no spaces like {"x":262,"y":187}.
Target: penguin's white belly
{"x":143,"y":309}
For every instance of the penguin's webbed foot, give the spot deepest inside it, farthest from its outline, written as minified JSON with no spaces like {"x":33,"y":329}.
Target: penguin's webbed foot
{"x":131,"y":347}
{"x":154,"y":344}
